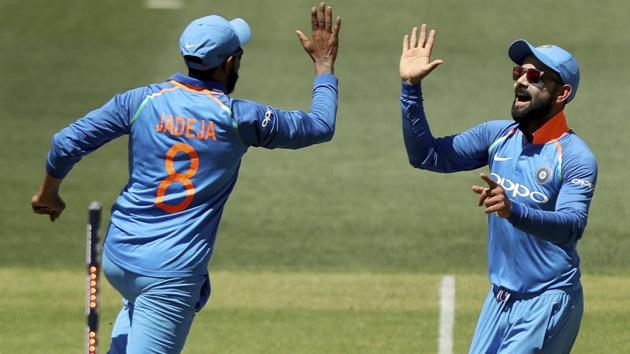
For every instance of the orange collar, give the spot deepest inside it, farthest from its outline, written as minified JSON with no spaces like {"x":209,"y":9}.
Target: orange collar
{"x":552,"y":129}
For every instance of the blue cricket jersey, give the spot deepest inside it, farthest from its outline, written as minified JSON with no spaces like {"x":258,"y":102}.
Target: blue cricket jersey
{"x":186,"y":141}
{"x":550,"y":182}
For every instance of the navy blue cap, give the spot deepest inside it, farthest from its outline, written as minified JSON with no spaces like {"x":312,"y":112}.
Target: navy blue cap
{"x":554,"y":57}
{"x":213,"y":39}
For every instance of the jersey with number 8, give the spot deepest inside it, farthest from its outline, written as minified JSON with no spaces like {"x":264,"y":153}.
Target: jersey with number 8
{"x":186,"y":141}
{"x":187,"y":175}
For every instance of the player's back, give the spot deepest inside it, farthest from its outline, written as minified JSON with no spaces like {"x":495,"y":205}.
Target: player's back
{"x":184,"y":157}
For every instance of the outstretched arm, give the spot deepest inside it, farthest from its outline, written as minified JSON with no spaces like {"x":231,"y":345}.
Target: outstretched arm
{"x":464,"y":151}
{"x":269,"y":127}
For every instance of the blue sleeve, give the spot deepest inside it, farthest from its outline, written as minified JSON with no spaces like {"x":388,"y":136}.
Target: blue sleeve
{"x":567,"y":222}
{"x":269,"y":127}
{"x":91,"y":132}
{"x":465,"y":151}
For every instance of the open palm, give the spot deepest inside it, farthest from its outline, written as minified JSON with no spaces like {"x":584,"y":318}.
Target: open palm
{"x":415,"y":61}
{"x":323,"y":45}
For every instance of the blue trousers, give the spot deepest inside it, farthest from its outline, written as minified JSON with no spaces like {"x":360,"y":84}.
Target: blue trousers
{"x":157,"y":313}
{"x":547,"y":323}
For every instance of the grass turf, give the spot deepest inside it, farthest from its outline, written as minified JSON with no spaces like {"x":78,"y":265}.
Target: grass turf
{"x":289,"y":312}
{"x":349,"y":207}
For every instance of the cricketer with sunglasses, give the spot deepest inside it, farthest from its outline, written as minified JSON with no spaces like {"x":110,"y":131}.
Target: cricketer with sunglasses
{"x":186,"y":140}
{"x":541,"y":182}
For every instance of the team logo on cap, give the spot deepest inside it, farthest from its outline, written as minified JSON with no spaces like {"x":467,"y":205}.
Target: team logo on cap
{"x":543,"y":175}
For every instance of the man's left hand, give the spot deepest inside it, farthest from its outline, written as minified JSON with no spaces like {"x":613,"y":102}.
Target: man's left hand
{"x":322,"y":46}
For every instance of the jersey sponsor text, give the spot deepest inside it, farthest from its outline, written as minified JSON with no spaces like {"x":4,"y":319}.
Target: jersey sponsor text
{"x":519,"y":190}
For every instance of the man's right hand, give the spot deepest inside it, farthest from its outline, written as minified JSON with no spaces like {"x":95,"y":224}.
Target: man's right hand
{"x":415,"y":61}
{"x":493,"y":199}
{"x":47,"y":200}
{"x":322,"y":47}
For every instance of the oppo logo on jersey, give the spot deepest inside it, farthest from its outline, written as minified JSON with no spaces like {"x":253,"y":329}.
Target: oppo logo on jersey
{"x":583,"y":183}
{"x":268,"y":116}
{"x":519,"y":190}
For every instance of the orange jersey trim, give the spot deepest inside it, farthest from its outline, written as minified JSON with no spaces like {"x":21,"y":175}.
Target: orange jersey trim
{"x":554,"y":128}
{"x":164,"y":90}
{"x":209,"y":93}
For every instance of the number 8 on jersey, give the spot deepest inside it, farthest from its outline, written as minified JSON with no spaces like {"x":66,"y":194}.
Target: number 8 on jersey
{"x":174,"y":176}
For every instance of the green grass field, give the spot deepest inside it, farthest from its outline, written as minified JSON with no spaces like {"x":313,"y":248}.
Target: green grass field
{"x":337,"y":248}
{"x":297,"y":312}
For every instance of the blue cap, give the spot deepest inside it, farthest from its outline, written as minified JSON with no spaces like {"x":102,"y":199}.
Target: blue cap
{"x":554,"y":57}
{"x":213,"y":39}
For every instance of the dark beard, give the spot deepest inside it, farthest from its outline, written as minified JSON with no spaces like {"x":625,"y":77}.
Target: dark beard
{"x":232,"y":79}
{"x":537,"y":111}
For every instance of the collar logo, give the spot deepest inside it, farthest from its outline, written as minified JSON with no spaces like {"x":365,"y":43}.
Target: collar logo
{"x":543,"y":175}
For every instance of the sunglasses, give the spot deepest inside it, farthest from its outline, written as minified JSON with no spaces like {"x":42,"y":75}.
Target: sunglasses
{"x":533,"y":75}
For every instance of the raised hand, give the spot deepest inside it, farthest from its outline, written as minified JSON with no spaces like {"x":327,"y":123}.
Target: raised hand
{"x":493,"y":198}
{"x":322,"y":47}
{"x":415,"y":61}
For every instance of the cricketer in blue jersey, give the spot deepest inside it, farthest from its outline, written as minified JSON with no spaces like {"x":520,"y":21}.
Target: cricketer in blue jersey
{"x":186,"y":140}
{"x":542,"y":178}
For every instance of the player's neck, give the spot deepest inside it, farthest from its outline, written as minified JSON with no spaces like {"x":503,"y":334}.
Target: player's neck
{"x":209,"y":75}
{"x":531,"y":126}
